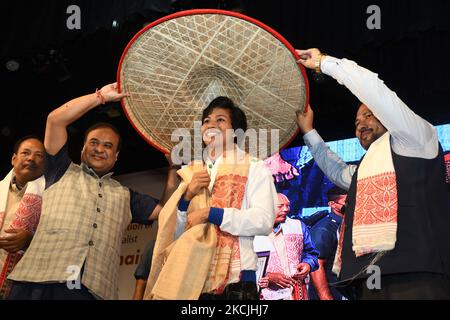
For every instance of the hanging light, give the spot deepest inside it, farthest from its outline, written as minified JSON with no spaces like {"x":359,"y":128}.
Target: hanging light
{"x":12,"y":65}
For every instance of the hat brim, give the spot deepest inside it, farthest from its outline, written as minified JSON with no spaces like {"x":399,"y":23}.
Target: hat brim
{"x":176,"y":65}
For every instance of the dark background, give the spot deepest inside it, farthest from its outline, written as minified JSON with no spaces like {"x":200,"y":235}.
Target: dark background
{"x":411,"y":53}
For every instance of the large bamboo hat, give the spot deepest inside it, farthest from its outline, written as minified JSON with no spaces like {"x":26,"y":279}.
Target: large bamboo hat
{"x":174,"y":67}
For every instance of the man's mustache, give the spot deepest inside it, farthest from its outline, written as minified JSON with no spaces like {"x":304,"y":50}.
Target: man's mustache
{"x":364,"y":129}
{"x":100,"y":155}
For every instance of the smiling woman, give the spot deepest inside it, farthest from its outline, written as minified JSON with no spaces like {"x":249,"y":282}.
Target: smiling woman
{"x":220,"y":120}
{"x":221,"y":204}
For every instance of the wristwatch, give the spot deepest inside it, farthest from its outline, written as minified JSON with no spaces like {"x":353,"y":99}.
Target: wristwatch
{"x":318,"y":63}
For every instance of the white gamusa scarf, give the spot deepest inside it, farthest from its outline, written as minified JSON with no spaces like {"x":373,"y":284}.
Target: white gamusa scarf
{"x":375,"y":216}
{"x":26,"y":217}
{"x":35,"y":188}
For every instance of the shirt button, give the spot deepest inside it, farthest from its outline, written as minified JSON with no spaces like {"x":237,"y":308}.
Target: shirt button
{"x":95,"y":226}
{"x":91,"y":243}
{"x":100,"y":184}
{"x":100,"y":195}
{"x":98,"y":209}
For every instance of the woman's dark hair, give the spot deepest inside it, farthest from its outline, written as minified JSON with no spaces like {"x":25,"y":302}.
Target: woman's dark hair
{"x":238,"y":118}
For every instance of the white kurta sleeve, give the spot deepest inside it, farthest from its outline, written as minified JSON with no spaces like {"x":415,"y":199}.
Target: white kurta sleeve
{"x":329,"y":162}
{"x":412,"y":136}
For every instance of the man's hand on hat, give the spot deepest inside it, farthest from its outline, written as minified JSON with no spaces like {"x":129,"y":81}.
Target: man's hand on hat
{"x":305,"y":120}
{"x":309,"y":58}
{"x":110,"y":93}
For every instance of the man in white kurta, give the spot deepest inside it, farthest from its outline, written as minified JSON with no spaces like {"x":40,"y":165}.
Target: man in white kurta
{"x":292,"y":255}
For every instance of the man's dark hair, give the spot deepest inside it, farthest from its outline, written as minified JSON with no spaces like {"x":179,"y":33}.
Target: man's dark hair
{"x":22,"y":140}
{"x":238,"y":117}
{"x":334,"y":192}
{"x":104,"y":125}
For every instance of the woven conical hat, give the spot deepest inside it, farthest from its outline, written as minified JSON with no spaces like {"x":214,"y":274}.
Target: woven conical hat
{"x":174,"y":67}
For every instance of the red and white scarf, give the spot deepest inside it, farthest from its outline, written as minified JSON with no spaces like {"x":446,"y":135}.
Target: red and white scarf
{"x":26,"y":218}
{"x":203,"y":259}
{"x":375,"y":216}
{"x":286,"y":250}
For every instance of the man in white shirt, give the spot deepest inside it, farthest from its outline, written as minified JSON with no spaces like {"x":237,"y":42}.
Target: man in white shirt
{"x":415,"y":259}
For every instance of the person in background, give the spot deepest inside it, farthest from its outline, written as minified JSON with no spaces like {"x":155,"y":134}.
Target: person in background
{"x":20,"y":205}
{"x":324,"y":234}
{"x":142,"y":271}
{"x":293,"y":256}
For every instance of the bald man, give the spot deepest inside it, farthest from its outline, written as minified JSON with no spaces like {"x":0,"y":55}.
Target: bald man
{"x":292,"y":256}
